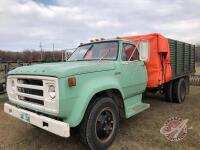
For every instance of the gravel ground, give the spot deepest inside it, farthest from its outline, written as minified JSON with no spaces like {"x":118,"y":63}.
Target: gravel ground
{"x":141,"y":132}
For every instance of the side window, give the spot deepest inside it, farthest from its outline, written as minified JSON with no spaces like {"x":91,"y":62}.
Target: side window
{"x":130,"y":52}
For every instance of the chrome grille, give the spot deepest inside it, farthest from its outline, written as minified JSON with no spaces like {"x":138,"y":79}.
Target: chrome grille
{"x":30,"y":81}
{"x":31,"y":100}
{"x":30,"y":90}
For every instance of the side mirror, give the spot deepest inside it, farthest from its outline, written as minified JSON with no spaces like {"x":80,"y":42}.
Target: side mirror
{"x":144,"y":50}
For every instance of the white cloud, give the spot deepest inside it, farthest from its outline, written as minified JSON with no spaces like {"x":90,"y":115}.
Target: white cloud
{"x":193,"y":25}
{"x":24,"y":23}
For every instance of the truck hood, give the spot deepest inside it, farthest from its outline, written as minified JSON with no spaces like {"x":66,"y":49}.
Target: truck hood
{"x":64,"y":69}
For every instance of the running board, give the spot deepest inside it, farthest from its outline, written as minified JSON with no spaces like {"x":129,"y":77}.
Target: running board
{"x":137,"y":109}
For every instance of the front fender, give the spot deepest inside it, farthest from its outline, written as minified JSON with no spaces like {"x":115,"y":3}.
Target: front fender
{"x":86,"y":92}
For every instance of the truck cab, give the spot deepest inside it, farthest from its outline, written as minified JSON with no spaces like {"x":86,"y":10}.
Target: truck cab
{"x":100,"y":84}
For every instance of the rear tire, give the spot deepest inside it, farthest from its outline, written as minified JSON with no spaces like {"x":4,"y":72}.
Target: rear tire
{"x":179,"y":90}
{"x":168,"y":90}
{"x":100,"y":123}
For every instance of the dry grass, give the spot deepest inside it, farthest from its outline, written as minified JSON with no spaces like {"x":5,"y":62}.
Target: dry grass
{"x":141,"y":132}
{"x":2,"y":69}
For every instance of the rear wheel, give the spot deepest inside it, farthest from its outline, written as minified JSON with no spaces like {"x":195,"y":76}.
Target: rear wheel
{"x":168,"y":91}
{"x":179,"y":90}
{"x":99,"y":126}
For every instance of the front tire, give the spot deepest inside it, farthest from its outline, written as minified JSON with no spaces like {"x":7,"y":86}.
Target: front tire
{"x":99,"y":126}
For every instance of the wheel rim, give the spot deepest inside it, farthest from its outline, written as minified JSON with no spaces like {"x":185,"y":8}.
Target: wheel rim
{"x":105,"y":125}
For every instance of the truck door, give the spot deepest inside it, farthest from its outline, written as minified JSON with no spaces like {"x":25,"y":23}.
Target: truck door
{"x":133,"y":71}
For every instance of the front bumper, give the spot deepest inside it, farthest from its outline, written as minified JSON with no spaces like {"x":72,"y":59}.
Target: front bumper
{"x":54,"y":126}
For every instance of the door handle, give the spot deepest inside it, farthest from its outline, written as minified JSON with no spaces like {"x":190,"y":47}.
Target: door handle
{"x":117,"y":73}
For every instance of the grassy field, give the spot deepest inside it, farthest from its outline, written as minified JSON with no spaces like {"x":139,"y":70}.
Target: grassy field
{"x":1,"y":77}
{"x":2,"y":70}
{"x":141,"y":132}
{"x":3,"y":97}
{"x":2,"y":74}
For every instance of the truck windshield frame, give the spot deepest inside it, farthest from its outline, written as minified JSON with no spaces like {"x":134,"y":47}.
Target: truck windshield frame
{"x":105,"y":50}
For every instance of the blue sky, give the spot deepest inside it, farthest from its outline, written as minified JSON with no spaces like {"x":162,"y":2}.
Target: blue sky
{"x":66,"y":23}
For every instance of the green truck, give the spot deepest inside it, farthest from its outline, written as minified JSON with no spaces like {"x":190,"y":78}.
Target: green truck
{"x":100,"y":84}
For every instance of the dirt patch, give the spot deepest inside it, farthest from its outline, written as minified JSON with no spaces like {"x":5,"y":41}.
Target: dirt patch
{"x":141,"y":132}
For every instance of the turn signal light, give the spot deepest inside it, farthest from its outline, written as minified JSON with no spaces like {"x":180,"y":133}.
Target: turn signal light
{"x":72,"y":81}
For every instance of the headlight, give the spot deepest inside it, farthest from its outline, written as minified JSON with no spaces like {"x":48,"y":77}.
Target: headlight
{"x":52,"y":91}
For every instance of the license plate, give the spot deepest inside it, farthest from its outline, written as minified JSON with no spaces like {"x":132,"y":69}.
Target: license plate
{"x":25,"y":117}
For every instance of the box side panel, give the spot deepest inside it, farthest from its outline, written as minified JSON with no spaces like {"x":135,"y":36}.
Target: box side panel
{"x":192,"y":58}
{"x":187,"y":58}
{"x":172,"y":47}
{"x":182,"y":58}
{"x":179,"y":58}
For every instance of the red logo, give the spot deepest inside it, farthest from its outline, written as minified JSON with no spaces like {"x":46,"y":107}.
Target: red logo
{"x":174,"y":129}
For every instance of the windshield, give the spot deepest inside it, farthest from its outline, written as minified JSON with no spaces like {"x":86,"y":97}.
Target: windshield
{"x":96,"y":51}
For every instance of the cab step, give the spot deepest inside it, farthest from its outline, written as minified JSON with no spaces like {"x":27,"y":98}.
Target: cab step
{"x":133,"y":110}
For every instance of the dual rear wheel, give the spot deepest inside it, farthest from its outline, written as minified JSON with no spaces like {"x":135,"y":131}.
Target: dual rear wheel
{"x":175,"y":91}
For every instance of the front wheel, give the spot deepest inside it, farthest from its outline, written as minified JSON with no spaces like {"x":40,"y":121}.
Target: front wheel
{"x":99,"y":126}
